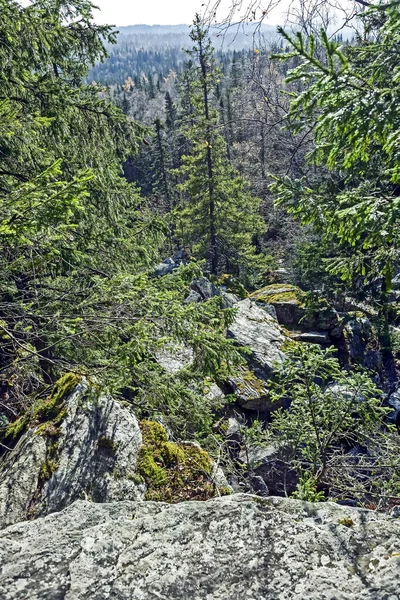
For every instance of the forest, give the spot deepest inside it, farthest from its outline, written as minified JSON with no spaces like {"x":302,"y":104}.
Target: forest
{"x":209,"y":234}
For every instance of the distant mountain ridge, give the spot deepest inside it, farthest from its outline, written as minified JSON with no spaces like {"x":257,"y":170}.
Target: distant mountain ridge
{"x":237,"y":37}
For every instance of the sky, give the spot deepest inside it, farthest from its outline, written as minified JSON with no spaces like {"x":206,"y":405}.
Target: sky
{"x":155,"y":12}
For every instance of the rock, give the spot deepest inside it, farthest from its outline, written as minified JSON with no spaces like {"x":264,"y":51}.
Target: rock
{"x":92,"y":453}
{"x":362,"y":345}
{"x":259,"y":486}
{"x":205,"y":288}
{"x":394,"y":403}
{"x":252,"y":393}
{"x":193,"y":298}
{"x":396,"y":282}
{"x":174,"y":358}
{"x":233,"y":431}
{"x":357,"y":334}
{"x":232,"y":548}
{"x":229,"y":300}
{"x":165,"y":268}
{"x":271,"y":465}
{"x":170,"y":264}
{"x":257,"y":330}
{"x":288,"y":301}
{"x":214,"y":394}
{"x":310,"y":337}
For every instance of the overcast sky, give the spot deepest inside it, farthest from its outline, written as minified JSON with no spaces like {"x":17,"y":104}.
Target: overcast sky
{"x":154,"y":12}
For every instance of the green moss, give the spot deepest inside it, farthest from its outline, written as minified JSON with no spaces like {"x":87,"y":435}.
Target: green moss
{"x":225,"y":491}
{"x":106,"y":443}
{"x":15,"y":429}
{"x":47,"y":469}
{"x":49,"y":412}
{"x":346,"y":521}
{"x":232,"y":285}
{"x":52,"y":408}
{"x":249,"y":379}
{"x":275,"y":294}
{"x":289,"y":344}
{"x":173,"y":472}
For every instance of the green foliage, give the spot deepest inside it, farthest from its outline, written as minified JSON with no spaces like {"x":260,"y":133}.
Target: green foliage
{"x":351,"y":99}
{"x":77,"y":242}
{"x":306,"y":489}
{"x":217,"y":216}
{"x":331,"y":410}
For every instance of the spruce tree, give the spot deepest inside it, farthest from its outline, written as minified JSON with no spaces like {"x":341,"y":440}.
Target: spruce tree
{"x":217,"y":217}
{"x":77,"y":242}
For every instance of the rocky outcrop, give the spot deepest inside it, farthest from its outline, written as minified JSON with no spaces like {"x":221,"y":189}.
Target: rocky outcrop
{"x":203,"y":289}
{"x":86,"y":446}
{"x":257,"y":330}
{"x":233,"y":548}
{"x":170,"y":264}
{"x":291,"y":310}
{"x":81,"y":443}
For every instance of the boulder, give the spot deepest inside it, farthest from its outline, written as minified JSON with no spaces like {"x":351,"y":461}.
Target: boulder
{"x":288,"y":302}
{"x":203,"y":289}
{"x":85,"y":447}
{"x":260,"y":333}
{"x":193,"y":298}
{"x":256,"y":329}
{"x":175,"y":357}
{"x":362,"y":344}
{"x":170,"y":264}
{"x":232,"y":548}
{"x":394,"y":404}
{"x":271,"y":465}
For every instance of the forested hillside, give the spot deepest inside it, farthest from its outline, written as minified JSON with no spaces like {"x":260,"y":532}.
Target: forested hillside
{"x":211,"y":237}
{"x":157,"y":49}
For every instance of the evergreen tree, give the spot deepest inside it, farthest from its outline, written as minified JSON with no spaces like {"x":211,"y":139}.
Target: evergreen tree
{"x":352,"y":102}
{"x":218,"y":217}
{"x":162,"y":167}
{"x":170,"y":112}
{"x":76,"y":240}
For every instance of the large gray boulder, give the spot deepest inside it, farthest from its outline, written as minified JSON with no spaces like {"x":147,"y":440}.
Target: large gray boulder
{"x":288,"y":302}
{"x":92,"y":453}
{"x":256,"y":329}
{"x":232,"y":548}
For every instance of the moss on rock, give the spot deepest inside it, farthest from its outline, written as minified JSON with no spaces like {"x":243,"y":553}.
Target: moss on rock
{"x":47,"y":413}
{"x":173,"y":472}
{"x":274,"y":294}
{"x":232,"y":285}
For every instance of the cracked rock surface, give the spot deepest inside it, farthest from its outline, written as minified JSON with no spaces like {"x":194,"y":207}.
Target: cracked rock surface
{"x":233,"y":548}
{"x":97,"y":451}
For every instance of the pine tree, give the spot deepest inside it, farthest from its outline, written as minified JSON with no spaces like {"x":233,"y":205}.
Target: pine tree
{"x":218,"y":217}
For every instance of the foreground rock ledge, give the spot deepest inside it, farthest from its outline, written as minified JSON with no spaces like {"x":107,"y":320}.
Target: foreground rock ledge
{"x":233,"y":548}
